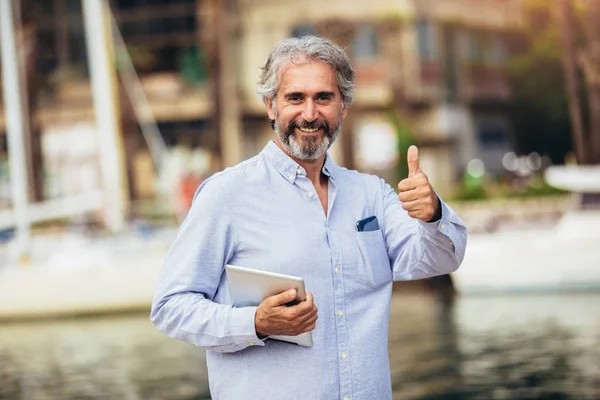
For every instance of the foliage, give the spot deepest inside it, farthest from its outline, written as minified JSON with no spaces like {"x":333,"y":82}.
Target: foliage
{"x":470,"y":193}
{"x":540,"y":108}
{"x":404,"y":140}
{"x":193,"y":66}
{"x":143,"y":60}
{"x":534,"y":186}
{"x":471,"y":188}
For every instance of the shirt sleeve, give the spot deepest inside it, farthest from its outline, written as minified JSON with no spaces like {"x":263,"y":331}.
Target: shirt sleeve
{"x":183,"y":306}
{"x":420,"y":249}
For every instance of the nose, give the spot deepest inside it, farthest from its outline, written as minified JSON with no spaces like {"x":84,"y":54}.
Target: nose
{"x":310,"y":111}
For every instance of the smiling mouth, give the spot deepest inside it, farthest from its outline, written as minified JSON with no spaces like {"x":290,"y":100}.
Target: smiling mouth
{"x":308,"y":130}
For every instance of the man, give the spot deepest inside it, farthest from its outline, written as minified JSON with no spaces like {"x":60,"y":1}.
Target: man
{"x":292,"y":210}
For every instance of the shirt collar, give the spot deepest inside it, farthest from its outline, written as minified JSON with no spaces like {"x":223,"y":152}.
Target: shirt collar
{"x":329,"y":167}
{"x":289,"y":168}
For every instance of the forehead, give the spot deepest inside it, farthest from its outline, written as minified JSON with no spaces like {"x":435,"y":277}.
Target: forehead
{"x":307,"y":77}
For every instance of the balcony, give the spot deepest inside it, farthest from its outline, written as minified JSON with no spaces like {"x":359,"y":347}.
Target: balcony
{"x":425,"y":82}
{"x":484,"y":83}
{"x":487,"y":13}
{"x":442,"y":123}
{"x":373,"y":87}
{"x":169,"y":99}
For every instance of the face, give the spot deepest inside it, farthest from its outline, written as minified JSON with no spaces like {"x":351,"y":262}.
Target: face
{"x":308,"y":110}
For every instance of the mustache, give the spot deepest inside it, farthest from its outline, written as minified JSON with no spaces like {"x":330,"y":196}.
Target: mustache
{"x":316,"y":124}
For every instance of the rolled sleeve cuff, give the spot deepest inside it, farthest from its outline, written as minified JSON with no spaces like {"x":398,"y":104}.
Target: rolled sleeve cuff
{"x":244,"y":331}
{"x":443,"y":226}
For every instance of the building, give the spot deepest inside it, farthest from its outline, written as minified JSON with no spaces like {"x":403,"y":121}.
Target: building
{"x":437,"y":64}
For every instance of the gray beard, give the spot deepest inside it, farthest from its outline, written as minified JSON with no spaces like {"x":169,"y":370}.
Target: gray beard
{"x":306,"y":148}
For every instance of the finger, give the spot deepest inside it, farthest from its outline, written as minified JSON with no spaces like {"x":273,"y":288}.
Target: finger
{"x":413,"y":182}
{"x":310,"y":324}
{"x":408,"y":184}
{"x":309,"y":298}
{"x":307,"y":303}
{"x":307,"y":321}
{"x":422,"y":193}
{"x":312,"y":314}
{"x":412,"y":206}
{"x":409,"y":196}
{"x":412,"y":158}
{"x":308,"y":327}
{"x":301,"y":309}
{"x":282,"y":298}
{"x":414,"y":214}
{"x":423,"y":214}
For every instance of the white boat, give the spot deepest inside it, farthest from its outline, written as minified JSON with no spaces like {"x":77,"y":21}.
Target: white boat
{"x":564,"y":257}
{"x":70,"y":274}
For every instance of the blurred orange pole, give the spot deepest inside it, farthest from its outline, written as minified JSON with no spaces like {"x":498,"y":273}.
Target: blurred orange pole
{"x":217,"y":20}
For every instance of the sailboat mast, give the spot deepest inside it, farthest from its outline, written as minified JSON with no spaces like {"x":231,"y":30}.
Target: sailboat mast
{"x":15,"y":125}
{"x":104,"y":89}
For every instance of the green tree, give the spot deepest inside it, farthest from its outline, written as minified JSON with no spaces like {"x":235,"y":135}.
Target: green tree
{"x":540,"y":108}
{"x":404,"y":139}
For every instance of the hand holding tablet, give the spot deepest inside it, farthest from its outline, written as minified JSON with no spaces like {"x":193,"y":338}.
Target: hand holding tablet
{"x":273,"y":293}
{"x":274,"y":317}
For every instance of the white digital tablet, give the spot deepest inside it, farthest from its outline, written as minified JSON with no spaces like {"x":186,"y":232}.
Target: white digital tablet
{"x":249,"y":287}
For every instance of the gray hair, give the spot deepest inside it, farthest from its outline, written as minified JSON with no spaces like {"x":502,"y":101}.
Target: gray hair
{"x":311,"y":48}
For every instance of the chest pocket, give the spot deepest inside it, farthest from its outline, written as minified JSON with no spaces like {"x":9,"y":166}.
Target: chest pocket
{"x":373,"y":264}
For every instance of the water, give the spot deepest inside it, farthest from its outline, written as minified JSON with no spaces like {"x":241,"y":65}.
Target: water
{"x":509,"y":347}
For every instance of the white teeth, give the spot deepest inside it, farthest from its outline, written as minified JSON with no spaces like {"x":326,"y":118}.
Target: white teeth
{"x":308,"y":130}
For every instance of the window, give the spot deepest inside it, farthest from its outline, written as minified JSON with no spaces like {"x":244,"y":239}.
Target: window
{"x":475,"y":48}
{"x":159,"y":33}
{"x":427,"y":40}
{"x":485,"y":48}
{"x":366,"y":44}
{"x":492,"y":133}
{"x":497,"y":51}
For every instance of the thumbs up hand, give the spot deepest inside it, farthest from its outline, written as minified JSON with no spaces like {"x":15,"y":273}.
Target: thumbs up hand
{"x":416,"y":194}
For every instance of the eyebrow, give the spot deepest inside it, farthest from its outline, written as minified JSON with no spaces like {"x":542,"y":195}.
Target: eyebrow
{"x":326,"y":93}
{"x":293,"y":94}
{"x":301,"y":94}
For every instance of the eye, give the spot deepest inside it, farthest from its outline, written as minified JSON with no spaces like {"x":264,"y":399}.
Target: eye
{"x":324,"y":97}
{"x":295,"y":99}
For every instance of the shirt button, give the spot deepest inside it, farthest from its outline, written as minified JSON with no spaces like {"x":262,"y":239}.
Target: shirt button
{"x":251,"y":343}
{"x":340,"y":313}
{"x":337,"y":271}
{"x":346,"y":398}
{"x":310,"y":194}
{"x":344,"y":356}
{"x":299,"y":170}
{"x":443,"y":225}
{"x":291,"y":177}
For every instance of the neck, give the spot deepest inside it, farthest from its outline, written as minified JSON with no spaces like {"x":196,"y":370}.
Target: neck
{"x":313,"y":168}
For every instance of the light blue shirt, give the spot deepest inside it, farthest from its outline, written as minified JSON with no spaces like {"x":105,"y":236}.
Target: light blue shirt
{"x":264,"y":213}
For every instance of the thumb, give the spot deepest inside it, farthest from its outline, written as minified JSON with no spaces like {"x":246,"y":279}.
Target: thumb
{"x":283,"y":298}
{"x":412,"y":157}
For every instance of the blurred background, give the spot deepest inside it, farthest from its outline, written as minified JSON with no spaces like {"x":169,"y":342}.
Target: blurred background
{"x":114,"y":111}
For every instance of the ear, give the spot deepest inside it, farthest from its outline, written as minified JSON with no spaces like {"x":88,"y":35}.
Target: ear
{"x":270,"y":111}
{"x":344,"y":109}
